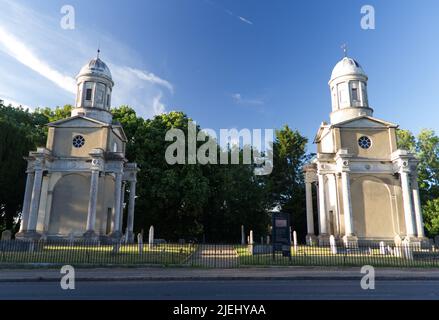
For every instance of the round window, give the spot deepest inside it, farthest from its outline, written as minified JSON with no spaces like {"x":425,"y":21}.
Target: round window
{"x":364,"y":142}
{"x":78,"y":141}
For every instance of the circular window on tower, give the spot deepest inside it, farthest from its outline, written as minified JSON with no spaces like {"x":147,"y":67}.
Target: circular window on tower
{"x":364,"y":142}
{"x":78,"y":141}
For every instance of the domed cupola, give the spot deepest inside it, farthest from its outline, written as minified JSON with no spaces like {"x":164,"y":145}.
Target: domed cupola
{"x":348,"y":86}
{"x":95,"y":85}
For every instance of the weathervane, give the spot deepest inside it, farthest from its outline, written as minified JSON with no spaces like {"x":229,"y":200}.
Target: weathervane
{"x":345,"y":49}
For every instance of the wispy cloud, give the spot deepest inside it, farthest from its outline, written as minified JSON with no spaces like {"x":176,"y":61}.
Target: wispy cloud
{"x":239,"y":99}
{"x":8,"y":101}
{"x":229,"y":12}
{"x":151,"y":77}
{"x":245,"y":20}
{"x":36,"y":45}
{"x":18,"y":50}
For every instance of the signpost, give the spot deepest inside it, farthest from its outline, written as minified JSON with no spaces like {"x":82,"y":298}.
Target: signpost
{"x":281,"y":234}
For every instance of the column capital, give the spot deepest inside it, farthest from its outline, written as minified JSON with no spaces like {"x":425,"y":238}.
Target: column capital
{"x":97,"y":160}
{"x":404,"y":161}
{"x":130,"y":172}
{"x":343,"y":160}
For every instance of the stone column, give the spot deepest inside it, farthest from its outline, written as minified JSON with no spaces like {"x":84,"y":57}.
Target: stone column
{"x":116,"y":207}
{"x":131,"y":205}
{"x":347,"y":205}
{"x":417,"y":207}
{"x":322,"y":206}
{"x":122,"y":200}
{"x":26,"y":202}
{"x":309,"y":208}
{"x":408,"y":208}
{"x":310,"y":237}
{"x":35,"y":203}
{"x":91,"y":217}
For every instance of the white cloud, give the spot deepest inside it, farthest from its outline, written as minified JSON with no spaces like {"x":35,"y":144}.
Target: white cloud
{"x":18,"y":50}
{"x":37,"y":45}
{"x":239,"y":99}
{"x":157,"y":105}
{"x":151,"y":77}
{"x":245,"y":20}
{"x":229,"y":12}
{"x":7,"y":101}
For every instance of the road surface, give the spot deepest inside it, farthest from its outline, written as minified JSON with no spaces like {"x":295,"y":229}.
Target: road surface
{"x":223,"y":290}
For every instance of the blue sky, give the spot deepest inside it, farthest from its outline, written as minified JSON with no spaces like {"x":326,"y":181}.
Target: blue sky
{"x":227,"y":63}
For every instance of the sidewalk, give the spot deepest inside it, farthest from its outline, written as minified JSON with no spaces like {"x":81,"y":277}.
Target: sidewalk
{"x":181,"y":274}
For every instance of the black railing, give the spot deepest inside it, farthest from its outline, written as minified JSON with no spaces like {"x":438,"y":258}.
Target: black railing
{"x":16,"y":252}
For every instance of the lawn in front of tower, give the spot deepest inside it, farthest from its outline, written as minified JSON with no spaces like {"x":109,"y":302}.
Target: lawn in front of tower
{"x":77,"y":254}
{"x":323,"y":256}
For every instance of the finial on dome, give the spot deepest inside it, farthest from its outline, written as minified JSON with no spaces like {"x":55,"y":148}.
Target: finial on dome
{"x":99,"y":52}
{"x":345,"y":49}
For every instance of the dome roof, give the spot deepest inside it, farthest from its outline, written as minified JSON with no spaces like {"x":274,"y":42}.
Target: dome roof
{"x":96,"y":67}
{"x":347,"y":66}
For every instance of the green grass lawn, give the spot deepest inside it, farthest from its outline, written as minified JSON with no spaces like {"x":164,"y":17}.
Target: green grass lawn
{"x":322,"y":256}
{"x":163,"y":254}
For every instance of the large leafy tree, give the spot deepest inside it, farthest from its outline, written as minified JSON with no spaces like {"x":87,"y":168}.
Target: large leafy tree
{"x":285,"y":185}
{"x":208,"y":202}
{"x":426,"y":148}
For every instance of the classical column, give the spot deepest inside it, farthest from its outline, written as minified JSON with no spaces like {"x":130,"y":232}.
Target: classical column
{"x":116,"y":208}
{"x":322,"y":206}
{"x":309,"y":208}
{"x":347,"y":205}
{"x":408,"y":208}
{"x":35,"y":201}
{"x":122,"y":200}
{"x":26,"y":202}
{"x":131,"y":205}
{"x":417,"y":207}
{"x":91,"y":217}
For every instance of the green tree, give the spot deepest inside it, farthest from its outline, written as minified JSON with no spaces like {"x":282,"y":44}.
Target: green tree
{"x":17,"y":136}
{"x":285,"y":186}
{"x":426,"y":148}
{"x":431,"y":217}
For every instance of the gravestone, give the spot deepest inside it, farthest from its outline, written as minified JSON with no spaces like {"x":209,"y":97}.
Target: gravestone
{"x":151,"y":237}
{"x":333,"y":244}
{"x":251,"y":237}
{"x":295,"y":241}
{"x":389,"y":250}
{"x":6,"y":235}
{"x":262,"y":240}
{"x":140,"y":242}
{"x":398,"y":246}
{"x":382,"y":248}
{"x":268,"y":239}
{"x":407,"y":249}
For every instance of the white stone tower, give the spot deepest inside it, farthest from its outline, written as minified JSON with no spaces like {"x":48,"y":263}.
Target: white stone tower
{"x":76,"y":184}
{"x":366,"y":188}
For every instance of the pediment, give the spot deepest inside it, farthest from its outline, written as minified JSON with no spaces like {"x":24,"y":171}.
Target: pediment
{"x":78,"y":122}
{"x":365,"y":122}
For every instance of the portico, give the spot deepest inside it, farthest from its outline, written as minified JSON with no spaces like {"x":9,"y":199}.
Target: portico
{"x":75,"y":185}
{"x":366,"y":187}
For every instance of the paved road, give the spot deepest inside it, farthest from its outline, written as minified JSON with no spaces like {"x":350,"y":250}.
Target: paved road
{"x":225,"y":290}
